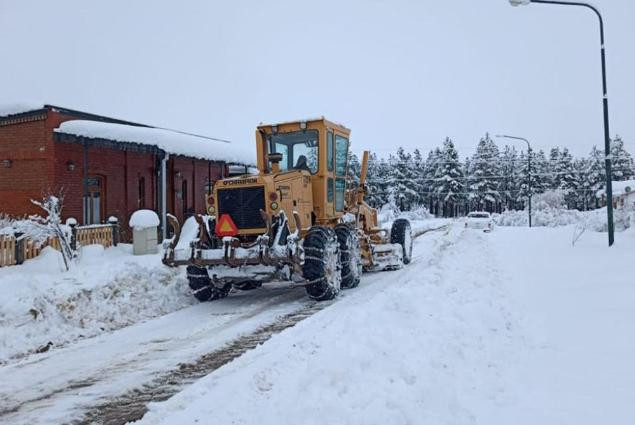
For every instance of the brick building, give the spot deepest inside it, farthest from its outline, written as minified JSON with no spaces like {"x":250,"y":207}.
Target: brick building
{"x":104,"y":166}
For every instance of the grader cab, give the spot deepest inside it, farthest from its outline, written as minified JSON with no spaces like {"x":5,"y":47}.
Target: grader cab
{"x":296,"y":220}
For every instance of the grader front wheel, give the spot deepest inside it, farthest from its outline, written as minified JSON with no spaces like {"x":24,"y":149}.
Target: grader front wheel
{"x":401,"y":234}
{"x":202,"y":286}
{"x":321,"y":268}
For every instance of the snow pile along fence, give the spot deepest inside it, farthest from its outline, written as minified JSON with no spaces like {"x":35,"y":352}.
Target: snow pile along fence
{"x":15,"y":249}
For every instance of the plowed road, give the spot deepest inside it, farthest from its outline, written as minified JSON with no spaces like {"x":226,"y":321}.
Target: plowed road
{"x":110,"y":378}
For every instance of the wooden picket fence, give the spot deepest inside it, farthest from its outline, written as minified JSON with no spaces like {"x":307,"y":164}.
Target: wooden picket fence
{"x":16,"y":250}
{"x":96,"y":235}
{"x":7,"y":251}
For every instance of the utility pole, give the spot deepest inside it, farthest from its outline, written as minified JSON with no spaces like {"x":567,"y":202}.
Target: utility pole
{"x":605,"y":106}
{"x":504,"y":136}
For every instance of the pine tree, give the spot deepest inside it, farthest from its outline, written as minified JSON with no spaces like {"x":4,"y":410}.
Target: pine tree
{"x":509,"y":182}
{"x":582,"y":183}
{"x":429,"y":175}
{"x":553,"y":177}
{"x":449,"y":180}
{"x":419,"y":177}
{"x":567,"y":178}
{"x":485,"y":175}
{"x":376,"y":182}
{"x":540,"y":170}
{"x":402,"y":180}
{"x":596,"y":176}
{"x":622,"y":167}
{"x":354,"y":171}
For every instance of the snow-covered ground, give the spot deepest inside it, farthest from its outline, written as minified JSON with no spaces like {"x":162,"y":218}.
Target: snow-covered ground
{"x":515,"y":326}
{"x":108,"y":289}
{"x":576,"y":305}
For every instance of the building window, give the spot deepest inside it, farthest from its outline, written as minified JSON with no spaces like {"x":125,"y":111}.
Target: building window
{"x":142,"y":193}
{"x":93,"y":200}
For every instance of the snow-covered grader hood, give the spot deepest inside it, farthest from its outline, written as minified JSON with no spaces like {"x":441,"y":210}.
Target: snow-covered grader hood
{"x":296,"y":220}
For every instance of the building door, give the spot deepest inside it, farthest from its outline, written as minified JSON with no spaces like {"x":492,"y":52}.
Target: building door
{"x":184,"y":196}
{"x":94,"y":200}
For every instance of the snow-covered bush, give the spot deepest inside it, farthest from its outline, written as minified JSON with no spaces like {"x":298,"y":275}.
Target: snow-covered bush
{"x":52,"y":226}
{"x":549,"y":199}
{"x":419,"y":212}
{"x":594,"y":220}
{"x":24,"y":228}
{"x":6,"y":225}
{"x":390,"y":212}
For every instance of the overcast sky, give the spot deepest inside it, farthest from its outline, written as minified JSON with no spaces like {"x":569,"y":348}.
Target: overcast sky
{"x":400,"y":72}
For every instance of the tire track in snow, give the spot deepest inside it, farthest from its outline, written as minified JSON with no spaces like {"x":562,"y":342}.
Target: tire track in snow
{"x":133,"y":405}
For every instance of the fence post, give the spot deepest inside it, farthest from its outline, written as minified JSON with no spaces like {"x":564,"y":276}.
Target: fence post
{"x":19,"y":248}
{"x":72,"y":223}
{"x":114,"y":222}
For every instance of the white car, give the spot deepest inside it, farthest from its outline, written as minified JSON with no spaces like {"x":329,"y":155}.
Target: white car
{"x":480,"y":220}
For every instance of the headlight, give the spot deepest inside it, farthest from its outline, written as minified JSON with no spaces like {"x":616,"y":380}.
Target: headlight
{"x":274,"y":205}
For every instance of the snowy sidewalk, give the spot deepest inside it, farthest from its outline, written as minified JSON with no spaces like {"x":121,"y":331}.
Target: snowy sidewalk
{"x":578,"y":305}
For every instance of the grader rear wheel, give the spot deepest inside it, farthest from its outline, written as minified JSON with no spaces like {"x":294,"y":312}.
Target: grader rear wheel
{"x":350,"y":256}
{"x":321,"y":266}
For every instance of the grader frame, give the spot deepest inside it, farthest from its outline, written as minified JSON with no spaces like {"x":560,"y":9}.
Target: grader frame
{"x":286,"y":219}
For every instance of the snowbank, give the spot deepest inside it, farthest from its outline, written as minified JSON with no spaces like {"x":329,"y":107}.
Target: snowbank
{"x":390,"y":212}
{"x":594,"y":220}
{"x":171,"y":141}
{"x":144,"y":219}
{"x":107,"y":290}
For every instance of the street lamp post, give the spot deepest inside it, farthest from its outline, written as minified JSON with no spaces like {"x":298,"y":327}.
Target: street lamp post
{"x":605,"y":101}
{"x":504,"y":136}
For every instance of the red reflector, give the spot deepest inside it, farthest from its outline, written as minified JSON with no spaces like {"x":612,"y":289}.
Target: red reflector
{"x":225,"y":226}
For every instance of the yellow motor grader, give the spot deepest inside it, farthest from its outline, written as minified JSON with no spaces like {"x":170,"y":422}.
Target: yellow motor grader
{"x":293,"y":221}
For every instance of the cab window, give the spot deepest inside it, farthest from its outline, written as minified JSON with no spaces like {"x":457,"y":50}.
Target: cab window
{"x":299,"y":150}
{"x":341,"y":155}
{"x":330,"y":189}
{"x":340,"y":193}
{"x":329,"y":150}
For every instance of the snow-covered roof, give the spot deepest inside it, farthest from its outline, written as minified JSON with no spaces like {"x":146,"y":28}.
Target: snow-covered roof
{"x":15,"y":108}
{"x":620,"y":188}
{"x":171,"y":141}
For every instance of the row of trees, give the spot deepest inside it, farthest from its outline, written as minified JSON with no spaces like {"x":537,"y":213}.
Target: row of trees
{"x":493,"y":179}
